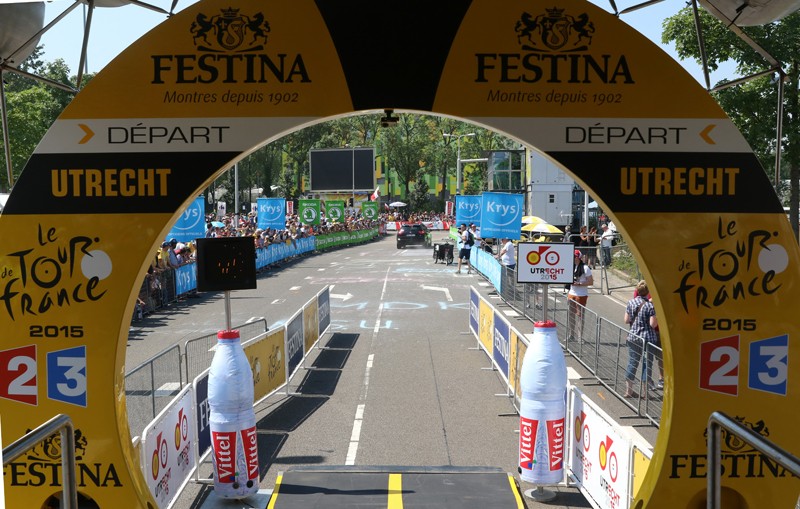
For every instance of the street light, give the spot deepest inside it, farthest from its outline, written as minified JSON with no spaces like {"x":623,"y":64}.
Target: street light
{"x":458,"y":157}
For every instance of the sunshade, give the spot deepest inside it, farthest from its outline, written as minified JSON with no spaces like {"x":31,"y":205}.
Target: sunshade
{"x":541,"y":228}
{"x":532,"y":220}
{"x":397,"y":204}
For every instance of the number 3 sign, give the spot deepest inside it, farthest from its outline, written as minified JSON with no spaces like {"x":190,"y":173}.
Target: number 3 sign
{"x":767,"y":371}
{"x":66,"y":375}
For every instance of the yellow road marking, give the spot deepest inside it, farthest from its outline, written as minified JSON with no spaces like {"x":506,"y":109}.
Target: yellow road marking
{"x":274,"y":498}
{"x":395,"y":491}
{"x":515,"y":491}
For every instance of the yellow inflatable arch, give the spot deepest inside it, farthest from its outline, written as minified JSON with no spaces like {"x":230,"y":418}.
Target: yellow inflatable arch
{"x":219,"y":79}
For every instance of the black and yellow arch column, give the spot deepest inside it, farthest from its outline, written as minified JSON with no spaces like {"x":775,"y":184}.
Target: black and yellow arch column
{"x":219,"y":79}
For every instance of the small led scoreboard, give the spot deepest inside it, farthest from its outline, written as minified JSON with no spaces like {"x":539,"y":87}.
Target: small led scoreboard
{"x":226,"y":263}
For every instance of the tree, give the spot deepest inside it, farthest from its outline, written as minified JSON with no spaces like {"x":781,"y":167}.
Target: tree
{"x":32,"y":107}
{"x":405,"y":145}
{"x":752,"y":106}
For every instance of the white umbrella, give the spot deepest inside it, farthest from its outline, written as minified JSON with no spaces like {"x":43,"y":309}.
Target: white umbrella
{"x":397,"y":204}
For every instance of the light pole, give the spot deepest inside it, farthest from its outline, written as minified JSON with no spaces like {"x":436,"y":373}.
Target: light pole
{"x":458,"y":157}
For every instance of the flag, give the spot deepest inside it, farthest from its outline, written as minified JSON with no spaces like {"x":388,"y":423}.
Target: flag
{"x":386,"y":206}
{"x":376,"y":195}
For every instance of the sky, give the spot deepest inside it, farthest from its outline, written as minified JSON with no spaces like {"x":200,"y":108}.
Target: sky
{"x":114,"y":28}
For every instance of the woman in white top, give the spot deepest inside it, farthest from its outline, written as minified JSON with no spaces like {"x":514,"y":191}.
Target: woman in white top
{"x":578,"y":294}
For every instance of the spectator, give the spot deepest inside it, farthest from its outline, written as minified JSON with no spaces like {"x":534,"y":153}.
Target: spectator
{"x":507,"y":255}
{"x":578,"y":295}
{"x":606,"y":241}
{"x":641,"y":316}
{"x":466,"y":241}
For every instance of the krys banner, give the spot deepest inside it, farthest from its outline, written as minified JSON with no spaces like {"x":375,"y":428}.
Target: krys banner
{"x":501,"y":215}
{"x":271,"y":213}
{"x":468,"y":210}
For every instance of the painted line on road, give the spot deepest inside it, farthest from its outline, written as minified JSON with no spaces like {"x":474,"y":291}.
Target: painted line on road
{"x":355,"y":435}
{"x":294,"y":288}
{"x":572,"y":374}
{"x":278,"y":301}
{"x":510,"y":312}
{"x":439,"y":289}
{"x":254,"y":319}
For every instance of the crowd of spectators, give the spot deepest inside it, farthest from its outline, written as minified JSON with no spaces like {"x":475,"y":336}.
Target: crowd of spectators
{"x":414,"y":217}
{"x":159,"y":282}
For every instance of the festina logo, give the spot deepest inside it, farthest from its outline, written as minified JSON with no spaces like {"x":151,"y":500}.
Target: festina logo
{"x":555,"y":442}
{"x":237,"y":68}
{"x":527,"y":441}
{"x":225,"y":455}
{"x":37,"y":473}
{"x":552,"y":68}
{"x":250,"y":444}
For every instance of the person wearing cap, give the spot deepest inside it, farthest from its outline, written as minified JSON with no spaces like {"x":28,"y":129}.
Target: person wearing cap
{"x":578,"y":294}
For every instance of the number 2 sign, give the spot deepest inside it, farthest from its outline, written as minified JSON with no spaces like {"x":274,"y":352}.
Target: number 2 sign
{"x":18,"y":379}
{"x":719,"y":365}
{"x":768,"y":366}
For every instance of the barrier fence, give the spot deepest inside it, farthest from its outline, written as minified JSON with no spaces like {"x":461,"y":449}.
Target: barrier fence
{"x":612,"y":487}
{"x":275,"y":356}
{"x":599,"y":344}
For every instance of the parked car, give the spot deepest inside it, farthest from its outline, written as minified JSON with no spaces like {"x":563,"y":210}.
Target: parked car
{"x":412,"y":233}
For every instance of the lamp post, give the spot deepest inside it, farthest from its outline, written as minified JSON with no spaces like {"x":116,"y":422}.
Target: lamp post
{"x":458,"y":157}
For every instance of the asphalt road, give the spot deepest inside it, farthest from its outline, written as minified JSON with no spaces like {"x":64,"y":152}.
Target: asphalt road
{"x":404,"y":387}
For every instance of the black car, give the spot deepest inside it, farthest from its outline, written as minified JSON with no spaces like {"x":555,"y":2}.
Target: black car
{"x":412,"y":233}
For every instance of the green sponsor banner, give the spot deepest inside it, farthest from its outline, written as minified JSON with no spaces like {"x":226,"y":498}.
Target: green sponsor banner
{"x":335,"y":210}
{"x":369,"y":209}
{"x":308,"y":211}
{"x":344,"y":238}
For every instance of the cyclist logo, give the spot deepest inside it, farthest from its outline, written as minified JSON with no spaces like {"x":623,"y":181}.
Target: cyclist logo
{"x":543,"y":253}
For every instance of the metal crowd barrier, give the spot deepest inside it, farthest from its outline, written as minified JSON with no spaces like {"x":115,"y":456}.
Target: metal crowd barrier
{"x":598,"y":344}
{"x":198,"y":352}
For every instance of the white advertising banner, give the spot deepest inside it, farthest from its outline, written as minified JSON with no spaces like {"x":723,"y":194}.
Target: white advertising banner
{"x":600,"y":454}
{"x":167,"y":447}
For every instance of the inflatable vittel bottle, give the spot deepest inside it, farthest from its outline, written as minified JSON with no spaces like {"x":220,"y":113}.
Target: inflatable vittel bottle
{"x":542,"y":413}
{"x":232,"y":420}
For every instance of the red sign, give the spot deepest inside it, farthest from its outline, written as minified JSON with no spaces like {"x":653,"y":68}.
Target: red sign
{"x":719,"y":365}
{"x":224,"y":455}
{"x":18,"y":380}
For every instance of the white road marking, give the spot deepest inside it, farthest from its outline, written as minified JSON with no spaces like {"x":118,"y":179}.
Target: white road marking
{"x":572,"y":374}
{"x":344,"y":297}
{"x":439,"y":289}
{"x":355,"y":435}
{"x":510,"y":312}
{"x":254,"y":319}
{"x":278,"y":301}
{"x":294,"y":288}
{"x":320,"y":270}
